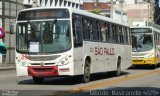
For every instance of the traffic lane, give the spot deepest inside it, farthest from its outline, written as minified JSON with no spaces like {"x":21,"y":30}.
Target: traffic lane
{"x":68,"y":83}
{"x":118,"y":91}
{"x":151,"y":80}
{"x":25,"y":85}
{"x":61,"y":83}
{"x":55,"y":83}
{"x":79,"y":91}
{"x":145,"y":86}
{"x":95,"y":78}
{"x":7,"y":73}
{"x":138,"y":85}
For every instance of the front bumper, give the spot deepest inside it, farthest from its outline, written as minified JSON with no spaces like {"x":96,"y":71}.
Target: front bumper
{"x":43,"y":71}
{"x":144,"y":61}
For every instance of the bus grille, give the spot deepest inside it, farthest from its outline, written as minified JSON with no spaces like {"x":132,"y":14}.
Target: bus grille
{"x":139,"y":54}
{"x":42,"y":69}
{"x":44,"y":58}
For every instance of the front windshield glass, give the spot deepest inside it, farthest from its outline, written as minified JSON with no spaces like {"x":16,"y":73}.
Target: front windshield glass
{"x":43,"y":36}
{"x":142,"y":42}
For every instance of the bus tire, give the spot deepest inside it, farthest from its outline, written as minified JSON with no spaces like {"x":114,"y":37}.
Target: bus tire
{"x":38,"y":79}
{"x":154,"y":66}
{"x":118,"y":71}
{"x":86,"y":75}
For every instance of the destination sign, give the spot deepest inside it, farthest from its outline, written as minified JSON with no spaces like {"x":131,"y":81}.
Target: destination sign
{"x":141,"y":30}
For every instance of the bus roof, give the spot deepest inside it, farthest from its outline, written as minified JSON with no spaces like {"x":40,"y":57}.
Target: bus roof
{"x":142,"y":27}
{"x":82,"y":12}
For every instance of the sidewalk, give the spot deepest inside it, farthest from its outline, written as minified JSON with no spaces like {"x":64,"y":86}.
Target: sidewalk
{"x":7,"y":66}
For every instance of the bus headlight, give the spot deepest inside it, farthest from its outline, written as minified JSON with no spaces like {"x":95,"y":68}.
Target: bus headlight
{"x":150,"y":55}
{"x":65,"y":60}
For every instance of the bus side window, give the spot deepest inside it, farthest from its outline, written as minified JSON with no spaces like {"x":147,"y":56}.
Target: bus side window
{"x":129,"y":36}
{"x":121,"y":35}
{"x":77,"y":31}
{"x":99,"y":33}
{"x":115,"y":33}
{"x":86,"y":29}
{"x":126,"y":35}
{"x":157,"y":38}
{"x":107,"y":32}
{"x":95,"y":30}
{"x":103,"y":31}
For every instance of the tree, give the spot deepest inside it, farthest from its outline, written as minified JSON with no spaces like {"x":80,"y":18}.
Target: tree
{"x":96,"y":11}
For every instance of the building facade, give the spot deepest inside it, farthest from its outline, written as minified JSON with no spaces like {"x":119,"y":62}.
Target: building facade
{"x":140,"y":12}
{"x":8,"y":12}
{"x":53,"y":3}
{"x":116,"y":13}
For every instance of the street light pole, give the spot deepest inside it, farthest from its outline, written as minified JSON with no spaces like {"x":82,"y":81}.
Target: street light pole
{"x":111,"y":9}
{"x":121,"y":8}
{"x":152,"y":5}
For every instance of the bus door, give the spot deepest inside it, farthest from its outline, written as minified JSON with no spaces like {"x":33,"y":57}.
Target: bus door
{"x":78,"y":42}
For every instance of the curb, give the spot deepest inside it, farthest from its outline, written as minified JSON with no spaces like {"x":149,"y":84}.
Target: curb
{"x":7,"y":68}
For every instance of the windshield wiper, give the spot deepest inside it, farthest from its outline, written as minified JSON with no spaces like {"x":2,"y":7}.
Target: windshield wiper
{"x":141,"y":37}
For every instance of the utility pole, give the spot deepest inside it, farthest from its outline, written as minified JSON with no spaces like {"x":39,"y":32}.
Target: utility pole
{"x":121,"y":8}
{"x":96,"y":3}
{"x":111,"y":9}
{"x":152,"y":6}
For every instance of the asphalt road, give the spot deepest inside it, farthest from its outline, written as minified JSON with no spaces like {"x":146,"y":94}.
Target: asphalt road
{"x":138,"y":78}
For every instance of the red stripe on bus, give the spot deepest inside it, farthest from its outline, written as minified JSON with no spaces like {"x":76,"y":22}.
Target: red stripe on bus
{"x":43,"y":71}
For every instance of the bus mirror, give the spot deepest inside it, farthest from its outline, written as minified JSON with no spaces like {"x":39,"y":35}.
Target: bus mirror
{"x":3,"y":48}
{"x":2,"y":33}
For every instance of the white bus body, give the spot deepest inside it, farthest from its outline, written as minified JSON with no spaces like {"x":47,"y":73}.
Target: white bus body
{"x":81,"y":57}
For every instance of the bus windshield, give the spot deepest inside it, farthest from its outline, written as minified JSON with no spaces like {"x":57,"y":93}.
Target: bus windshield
{"x":43,"y":36}
{"x":142,"y":42}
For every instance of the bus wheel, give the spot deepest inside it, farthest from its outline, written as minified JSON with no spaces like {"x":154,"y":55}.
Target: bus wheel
{"x":118,"y":71}
{"x":154,"y":66}
{"x":38,"y":79}
{"x":86,"y":75}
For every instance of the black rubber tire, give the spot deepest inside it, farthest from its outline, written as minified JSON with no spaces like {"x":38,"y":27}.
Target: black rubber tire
{"x":38,"y":79}
{"x":118,"y":71}
{"x":86,"y":75}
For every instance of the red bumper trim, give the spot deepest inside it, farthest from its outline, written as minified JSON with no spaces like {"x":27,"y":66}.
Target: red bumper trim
{"x":43,"y":71}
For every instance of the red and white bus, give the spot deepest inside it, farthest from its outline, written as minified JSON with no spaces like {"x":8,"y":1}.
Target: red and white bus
{"x":69,"y":42}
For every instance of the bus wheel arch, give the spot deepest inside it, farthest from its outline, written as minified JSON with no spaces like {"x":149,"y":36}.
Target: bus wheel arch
{"x":86,"y":70}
